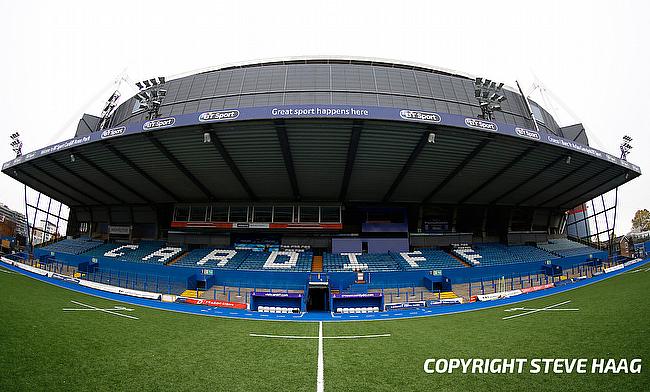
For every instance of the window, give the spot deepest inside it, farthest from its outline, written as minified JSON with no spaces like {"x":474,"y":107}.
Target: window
{"x":537,"y":112}
{"x":219,"y":214}
{"x":308,"y":214}
{"x":239,"y":214}
{"x":197,"y":213}
{"x":283,"y":214}
{"x":262,"y":213}
{"x":330,"y":214}
{"x":182,"y":213}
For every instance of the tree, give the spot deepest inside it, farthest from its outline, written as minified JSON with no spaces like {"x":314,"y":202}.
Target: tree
{"x":641,"y":221}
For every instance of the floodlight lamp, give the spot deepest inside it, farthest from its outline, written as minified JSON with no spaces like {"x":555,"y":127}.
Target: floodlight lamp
{"x":206,"y":137}
{"x":485,"y":94}
{"x":499,"y":86}
{"x":432,"y":138}
{"x":487,"y":82}
{"x":146,"y":83}
{"x":568,"y":160}
{"x":478,"y":82}
{"x":494,"y":97}
{"x":161,"y":79}
{"x":162,"y":92}
{"x":477,"y":93}
{"x":72,"y":158}
{"x":496,"y":107}
{"x":493,"y":85}
{"x":139,"y":85}
{"x":153,"y":81}
{"x":501,"y":98}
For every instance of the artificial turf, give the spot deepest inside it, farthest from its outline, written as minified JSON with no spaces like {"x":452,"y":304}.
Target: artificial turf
{"x":45,"y":348}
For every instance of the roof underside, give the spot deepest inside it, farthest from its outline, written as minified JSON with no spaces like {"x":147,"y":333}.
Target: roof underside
{"x":321,"y":160}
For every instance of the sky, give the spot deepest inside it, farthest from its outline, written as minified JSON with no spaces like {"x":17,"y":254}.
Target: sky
{"x":61,"y":59}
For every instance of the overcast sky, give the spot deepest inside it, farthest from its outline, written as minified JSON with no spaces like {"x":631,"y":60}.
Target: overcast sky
{"x":60,"y":59}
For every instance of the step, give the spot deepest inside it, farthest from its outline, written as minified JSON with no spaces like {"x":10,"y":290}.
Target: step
{"x":317,"y":264}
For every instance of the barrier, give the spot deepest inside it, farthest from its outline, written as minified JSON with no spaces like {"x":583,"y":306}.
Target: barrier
{"x":614,"y":268}
{"x":119,"y":290}
{"x":499,"y":295}
{"x":405,"y":305}
{"x":276,"y":300}
{"x":537,"y":288}
{"x":446,"y":301}
{"x":211,"y":302}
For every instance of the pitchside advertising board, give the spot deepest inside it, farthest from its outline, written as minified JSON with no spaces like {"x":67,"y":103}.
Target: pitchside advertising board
{"x":324,"y":111}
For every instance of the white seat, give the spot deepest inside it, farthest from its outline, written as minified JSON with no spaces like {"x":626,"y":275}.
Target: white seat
{"x":285,"y":310}
{"x":364,"y":310}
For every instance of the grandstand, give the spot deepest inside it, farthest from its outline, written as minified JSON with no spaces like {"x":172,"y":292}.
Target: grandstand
{"x":73,"y":246}
{"x":564,"y":247}
{"x":324,"y":176}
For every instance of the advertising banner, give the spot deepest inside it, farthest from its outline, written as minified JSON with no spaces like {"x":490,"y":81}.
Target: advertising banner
{"x":405,"y":305}
{"x":118,"y":290}
{"x":212,"y":302}
{"x":359,"y":295}
{"x":500,"y":295}
{"x":276,"y":295}
{"x":325,"y":111}
{"x":537,"y":288}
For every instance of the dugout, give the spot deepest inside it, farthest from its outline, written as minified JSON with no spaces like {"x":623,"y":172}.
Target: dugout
{"x":360,"y":300}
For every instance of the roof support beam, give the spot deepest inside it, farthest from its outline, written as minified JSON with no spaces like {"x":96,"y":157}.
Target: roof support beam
{"x":216,"y":142}
{"x":353,"y":146}
{"x":554,"y":183}
{"x":529,"y":178}
{"x":407,"y":165}
{"x":179,"y":166}
{"x":281,"y":131}
{"x":111,"y":177}
{"x":60,"y":180}
{"x":141,"y":172}
{"x":55,"y":189}
{"x":583,"y":194}
{"x":457,"y":169}
{"x":80,"y":178}
{"x":498,"y":174}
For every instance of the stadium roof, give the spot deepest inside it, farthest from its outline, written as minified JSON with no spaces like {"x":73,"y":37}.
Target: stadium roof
{"x":338,"y":158}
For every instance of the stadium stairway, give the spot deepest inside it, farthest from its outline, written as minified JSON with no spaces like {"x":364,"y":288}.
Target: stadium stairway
{"x":177,"y":258}
{"x":317,"y":264}
{"x":463,"y":262}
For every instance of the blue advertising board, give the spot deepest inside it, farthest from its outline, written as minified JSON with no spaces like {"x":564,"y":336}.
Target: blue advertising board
{"x":323,"y":111}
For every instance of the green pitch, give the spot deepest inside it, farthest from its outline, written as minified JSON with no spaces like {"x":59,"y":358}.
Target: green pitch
{"x":43,"y":347}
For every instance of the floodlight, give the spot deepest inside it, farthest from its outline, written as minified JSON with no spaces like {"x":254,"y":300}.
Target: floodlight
{"x":494,"y":97}
{"x":499,"y":86}
{"x":496,"y":107}
{"x":485,"y":94}
{"x":478,"y":82}
{"x":139,"y":85}
{"x":568,"y":160}
{"x":72,"y":158}
{"x":206,"y":137}
{"x":477,"y":93}
{"x":147,"y":83}
{"x":493,"y":85}
{"x":162,"y":92}
{"x":161,"y":79}
{"x":153,"y":81}
{"x":487,"y":82}
{"x":501,"y":98}
{"x":432,"y":138}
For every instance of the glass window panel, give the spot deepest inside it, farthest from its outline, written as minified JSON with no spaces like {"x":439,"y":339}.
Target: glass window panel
{"x":308,"y":214}
{"x":239,"y":214}
{"x":283,"y":214}
{"x":262,"y":214}
{"x":219,"y":214}
{"x":330,"y":214}
{"x":197,"y":213}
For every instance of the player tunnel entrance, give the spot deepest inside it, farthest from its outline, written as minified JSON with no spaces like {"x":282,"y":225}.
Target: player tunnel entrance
{"x":318,"y":297}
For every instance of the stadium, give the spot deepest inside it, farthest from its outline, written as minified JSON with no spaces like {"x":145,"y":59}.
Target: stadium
{"x":324,"y":190}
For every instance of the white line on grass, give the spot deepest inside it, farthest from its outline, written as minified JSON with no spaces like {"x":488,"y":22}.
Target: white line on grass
{"x":536,"y":310}
{"x":5,"y":271}
{"x":90,"y":307}
{"x":320,"y":379}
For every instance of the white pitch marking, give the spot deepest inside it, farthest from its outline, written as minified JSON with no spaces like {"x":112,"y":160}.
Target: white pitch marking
{"x":5,"y":271}
{"x":90,"y":307}
{"x":320,"y":379}
{"x":550,"y":307}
